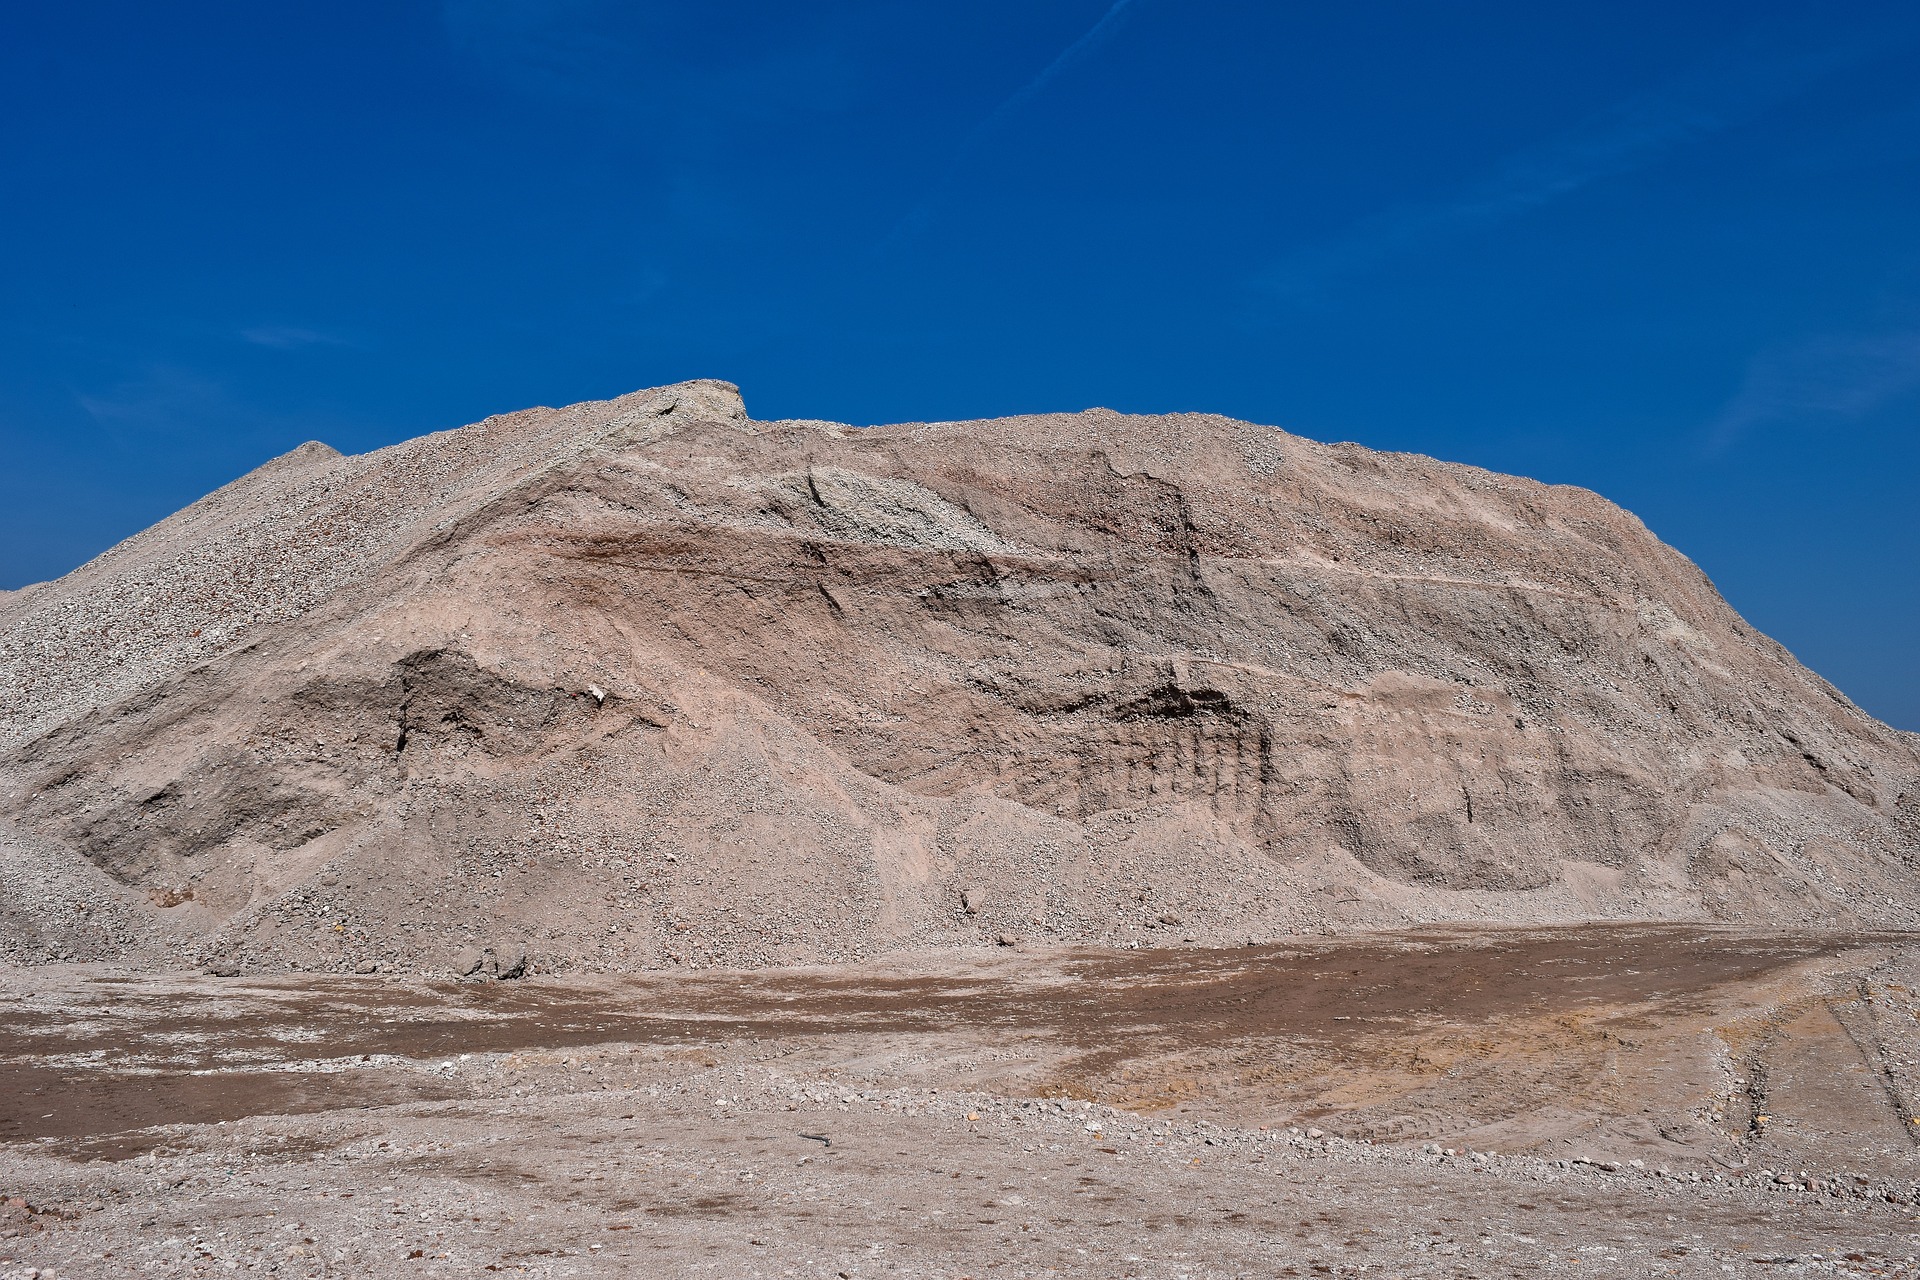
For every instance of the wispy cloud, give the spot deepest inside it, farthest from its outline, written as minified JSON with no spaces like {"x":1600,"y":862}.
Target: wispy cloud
{"x":1825,"y":379}
{"x":160,"y":407}
{"x":162,"y":399}
{"x":655,"y":62}
{"x":1631,"y":135}
{"x":1079,"y":51}
{"x":289,"y":337}
{"x":545,"y":47}
{"x":1874,"y":139}
{"x":659,"y":82}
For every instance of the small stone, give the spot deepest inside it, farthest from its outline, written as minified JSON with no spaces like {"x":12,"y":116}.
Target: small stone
{"x":1007,"y":940}
{"x":1170,"y":920}
{"x":510,"y":960}
{"x":469,"y":962}
{"x":367,"y":966}
{"x":971,"y":900}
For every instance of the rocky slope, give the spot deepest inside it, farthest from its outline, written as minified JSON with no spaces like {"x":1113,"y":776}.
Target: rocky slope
{"x":646,"y":682}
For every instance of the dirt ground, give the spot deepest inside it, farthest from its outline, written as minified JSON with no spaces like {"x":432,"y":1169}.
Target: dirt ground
{"x":1586,"y":1101}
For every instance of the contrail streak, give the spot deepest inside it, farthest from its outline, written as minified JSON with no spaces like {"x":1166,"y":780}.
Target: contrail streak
{"x":1633,"y":134}
{"x":1095,"y":36}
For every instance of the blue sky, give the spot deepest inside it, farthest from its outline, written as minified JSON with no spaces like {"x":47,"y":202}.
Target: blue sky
{"x":1667,"y":251}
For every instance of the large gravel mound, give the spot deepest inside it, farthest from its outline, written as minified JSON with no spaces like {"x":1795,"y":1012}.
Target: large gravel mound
{"x":645,"y":682}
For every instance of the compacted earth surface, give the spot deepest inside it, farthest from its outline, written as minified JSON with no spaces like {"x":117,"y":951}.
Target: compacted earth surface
{"x":1594,"y":1100}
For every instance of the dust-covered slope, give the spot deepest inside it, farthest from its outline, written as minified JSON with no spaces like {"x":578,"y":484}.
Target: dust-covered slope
{"x":645,"y":682}
{"x":275,"y":543}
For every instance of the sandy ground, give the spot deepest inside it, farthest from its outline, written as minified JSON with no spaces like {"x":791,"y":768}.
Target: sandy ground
{"x":1592,"y":1101}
